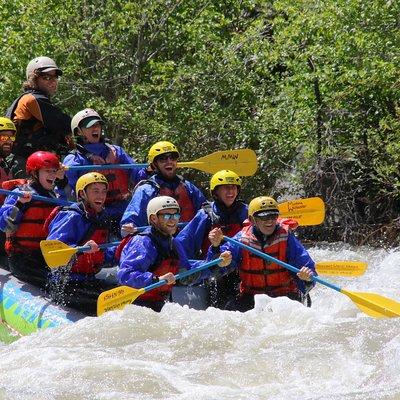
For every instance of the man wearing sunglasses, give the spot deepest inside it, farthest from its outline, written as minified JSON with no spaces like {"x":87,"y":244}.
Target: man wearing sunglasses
{"x":163,"y":159}
{"x":257,"y":276}
{"x":155,"y":254}
{"x":40,"y":124}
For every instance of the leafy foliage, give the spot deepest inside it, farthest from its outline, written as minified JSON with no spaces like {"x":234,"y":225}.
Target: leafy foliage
{"x":301,"y":82}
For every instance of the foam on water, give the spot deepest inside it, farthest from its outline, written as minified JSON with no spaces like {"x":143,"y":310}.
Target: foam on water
{"x":280,"y":350}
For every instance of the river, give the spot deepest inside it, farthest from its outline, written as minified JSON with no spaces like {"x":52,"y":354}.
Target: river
{"x":280,"y":350}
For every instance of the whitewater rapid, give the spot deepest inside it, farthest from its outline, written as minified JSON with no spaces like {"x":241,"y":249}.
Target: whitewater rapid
{"x":280,"y":350}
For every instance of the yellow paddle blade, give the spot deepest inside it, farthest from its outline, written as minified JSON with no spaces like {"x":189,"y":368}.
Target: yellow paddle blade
{"x":341,"y":268}
{"x":117,"y":298}
{"x":374,"y":305}
{"x":56,"y":253}
{"x":242,"y":161}
{"x":309,"y":211}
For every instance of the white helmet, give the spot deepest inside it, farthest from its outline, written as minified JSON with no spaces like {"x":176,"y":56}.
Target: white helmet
{"x":87,"y":114}
{"x":160,"y":203}
{"x":43,"y":64}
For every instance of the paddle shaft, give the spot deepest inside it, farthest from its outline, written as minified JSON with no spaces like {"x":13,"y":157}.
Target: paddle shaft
{"x":184,"y":274}
{"x":52,"y":200}
{"x":285,"y":265}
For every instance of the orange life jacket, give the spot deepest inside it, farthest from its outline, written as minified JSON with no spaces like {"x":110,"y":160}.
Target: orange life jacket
{"x":259,"y":276}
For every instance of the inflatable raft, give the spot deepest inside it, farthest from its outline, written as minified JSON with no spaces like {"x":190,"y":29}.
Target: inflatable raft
{"x":25,"y":310}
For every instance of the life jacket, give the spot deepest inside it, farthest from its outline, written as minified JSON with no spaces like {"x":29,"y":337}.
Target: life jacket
{"x":118,"y":179}
{"x":85,"y":263}
{"x":30,"y":230}
{"x":164,"y":263}
{"x":229,"y":227}
{"x":260,"y":276}
{"x":31,"y":134}
{"x":180,"y":194}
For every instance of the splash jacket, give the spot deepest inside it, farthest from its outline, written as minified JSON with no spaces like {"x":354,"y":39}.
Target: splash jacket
{"x":23,"y":223}
{"x":259,"y":276}
{"x":146,"y":256}
{"x":194,"y":236}
{"x":75,"y":225}
{"x":40,"y":125}
{"x":188,"y":196}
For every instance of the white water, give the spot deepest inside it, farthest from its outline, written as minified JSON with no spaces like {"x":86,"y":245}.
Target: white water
{"x":279,"y":351}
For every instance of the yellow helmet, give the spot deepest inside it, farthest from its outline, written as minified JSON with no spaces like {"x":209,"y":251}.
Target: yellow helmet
{"x":161,"y":148}
{"x":87,"y":179}
{"x":7,"y":125}
{"x":263,"y":205}
{"x":225,"y":177}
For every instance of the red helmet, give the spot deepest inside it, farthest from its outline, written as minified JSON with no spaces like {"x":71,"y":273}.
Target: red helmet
{"x":41,"y":159}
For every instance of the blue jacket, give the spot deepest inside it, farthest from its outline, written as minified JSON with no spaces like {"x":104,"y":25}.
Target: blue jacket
{"x":296,"y":255}
{"x":11,"y":213}
{"x":71,"y":226}
{"x":100,"y":149}
{"x":197,"y":230}
{"x":140,"y":253}
{"x":136,"y":211}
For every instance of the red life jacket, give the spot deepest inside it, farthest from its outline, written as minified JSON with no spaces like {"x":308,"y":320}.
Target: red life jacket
{"x":229,"y":229}
{"x":118,"y":185}
{"x":85,"y":263}
{"x":181,"y":195}
{"x":163,"y":264}
{"x":259,"y":276}
{"x":31,"y":227}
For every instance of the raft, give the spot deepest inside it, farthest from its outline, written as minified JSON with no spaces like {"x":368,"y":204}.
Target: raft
{"x":25,"y":309}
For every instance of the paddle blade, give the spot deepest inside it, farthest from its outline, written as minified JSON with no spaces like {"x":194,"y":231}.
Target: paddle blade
{"x":242,"y":161}
{"x":374,"y":305}
{"x":341,"y":268}
{"x":56,"y":253}
{"x":309,"y":211}
{"x":117,"y":298}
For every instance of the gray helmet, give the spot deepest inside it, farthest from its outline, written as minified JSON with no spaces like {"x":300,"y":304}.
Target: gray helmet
{"x":89,"y":114}
{"x":43,"y":64}
{"x":159,"y":203}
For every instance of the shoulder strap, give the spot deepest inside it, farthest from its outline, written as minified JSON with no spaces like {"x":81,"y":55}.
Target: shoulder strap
{"x":208,"y":209}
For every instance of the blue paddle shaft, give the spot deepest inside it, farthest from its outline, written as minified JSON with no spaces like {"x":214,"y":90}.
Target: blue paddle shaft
{"x":52,"y":200}
{"x":184,"y":274}
{"x":99,"y":167}
{"x":275,"y":260}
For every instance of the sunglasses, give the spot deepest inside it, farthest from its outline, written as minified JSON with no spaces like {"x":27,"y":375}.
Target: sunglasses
{"x":267,"y":217}
{"x":168,"y":216}
{"x":6,"y":138}
{"x":167,"y":156}
{"x":49,"y":77}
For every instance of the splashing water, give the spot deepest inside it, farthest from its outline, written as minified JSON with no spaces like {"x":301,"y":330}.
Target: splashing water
{"x":279,"y":350}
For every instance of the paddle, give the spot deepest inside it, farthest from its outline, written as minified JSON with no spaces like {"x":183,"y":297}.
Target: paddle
{"x":341,"y":268}
{"x":309,"y":211}
{"x":372,"y":304}
{"x":57,"y":253}
{"x":119,"y":297}
{"x":242,"y":161}
{"x":52,"y":200}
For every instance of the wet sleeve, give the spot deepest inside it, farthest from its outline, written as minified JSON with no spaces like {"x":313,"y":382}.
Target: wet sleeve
{"x":68,"y":227}
{"x":136,"y":258}
{"x":136,"y":213}
{"x":196,"y":195}
{"x":194,"y":233}
{"x":10,"y":214}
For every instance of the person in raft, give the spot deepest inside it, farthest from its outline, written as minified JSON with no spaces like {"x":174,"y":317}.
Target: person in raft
{"x":92,"y":149}
{"x":82,"y":224}
{"x":155,"y":254}
{"x":226,"y":212}
{"x":163,"y":159}
{"x":22,"y":218}
{"x":40,"y":124}
{"x":258,"y":276}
